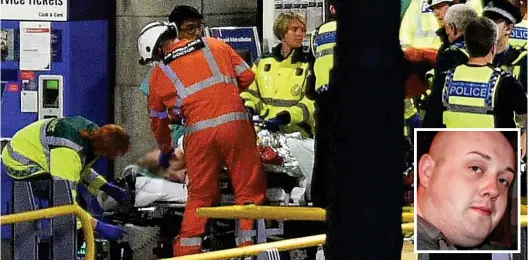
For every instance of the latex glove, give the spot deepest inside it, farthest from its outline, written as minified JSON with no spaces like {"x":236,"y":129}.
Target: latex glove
{"x":109,"y":232}
{"x":117,"y":193}
{"x":164,"y":158}
{"x":414,"y":121}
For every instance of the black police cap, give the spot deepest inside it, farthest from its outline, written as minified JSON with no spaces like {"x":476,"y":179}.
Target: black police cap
{"x":505,"y":9}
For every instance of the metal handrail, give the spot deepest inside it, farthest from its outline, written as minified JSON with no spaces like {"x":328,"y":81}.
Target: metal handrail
{"x":274,"y":212}
{"x":56,"y":212}
{"x":283,"y":245}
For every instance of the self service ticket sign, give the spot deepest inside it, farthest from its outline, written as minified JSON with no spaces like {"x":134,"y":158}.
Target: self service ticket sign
{"x":34,"y":10}
{"x":240,"y":38}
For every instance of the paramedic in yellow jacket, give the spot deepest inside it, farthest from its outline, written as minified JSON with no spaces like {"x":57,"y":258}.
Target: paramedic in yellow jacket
{"x":278,"y":94}
{"x":66,"y":148}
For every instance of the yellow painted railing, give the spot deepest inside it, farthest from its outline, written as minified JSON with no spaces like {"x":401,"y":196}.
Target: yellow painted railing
{"x":274,"y":212}
{"x":56,"y":212}
{"x":283,"y":245}
{"x":289,"y":244}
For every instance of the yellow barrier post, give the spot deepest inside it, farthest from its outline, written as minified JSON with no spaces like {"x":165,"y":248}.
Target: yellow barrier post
{"x":56,"y":212}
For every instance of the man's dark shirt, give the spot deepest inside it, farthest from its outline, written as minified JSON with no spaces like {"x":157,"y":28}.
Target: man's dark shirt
{"x":509,"y":98}
{"x":428,"y":237}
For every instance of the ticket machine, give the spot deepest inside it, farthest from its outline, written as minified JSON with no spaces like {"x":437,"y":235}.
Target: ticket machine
{"x":56,"y":61}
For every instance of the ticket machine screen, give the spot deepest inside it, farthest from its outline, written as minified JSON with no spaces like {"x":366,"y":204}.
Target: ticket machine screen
{"x":51,"y":93}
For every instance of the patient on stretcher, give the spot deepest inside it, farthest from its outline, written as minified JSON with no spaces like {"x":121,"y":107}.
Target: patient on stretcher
{"x":176,"y":171}
{"x":289,"y":175}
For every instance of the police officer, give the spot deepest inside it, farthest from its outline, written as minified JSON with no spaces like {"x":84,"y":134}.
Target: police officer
{"x":455,"y":21}
{"x":477,"y":94}
{"x":323,"y":41}
{"x":510,"y":58}
{"x":519,"y":35}
{"x":439,"y":8}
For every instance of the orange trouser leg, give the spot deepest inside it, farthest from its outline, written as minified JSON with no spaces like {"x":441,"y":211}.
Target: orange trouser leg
{"x":237,"y":144}
{"x":203,"y":166}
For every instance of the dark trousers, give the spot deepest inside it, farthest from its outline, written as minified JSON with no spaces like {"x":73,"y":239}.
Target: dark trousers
{"x":324,"y":161}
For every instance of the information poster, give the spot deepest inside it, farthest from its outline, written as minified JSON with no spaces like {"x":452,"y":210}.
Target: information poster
{"x":29,"y":101}
{"x":240,"y":38}
{"x":35,"y":46}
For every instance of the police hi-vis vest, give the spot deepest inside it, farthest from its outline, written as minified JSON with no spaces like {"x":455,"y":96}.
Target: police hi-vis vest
{"x":469,"y":97}
{"x":519,"y":35}
{"x":323,"y":43}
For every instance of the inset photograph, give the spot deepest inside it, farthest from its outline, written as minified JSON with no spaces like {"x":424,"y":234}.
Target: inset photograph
{"x":467,"y":190}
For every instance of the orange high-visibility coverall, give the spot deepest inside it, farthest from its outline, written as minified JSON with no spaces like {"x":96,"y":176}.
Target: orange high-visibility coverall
{"x":202,"y":84}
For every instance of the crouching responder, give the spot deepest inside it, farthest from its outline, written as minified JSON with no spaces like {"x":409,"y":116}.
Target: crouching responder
{"x":66,"y":149}
{"x":278,"y":94}
{"x":200,"y":80}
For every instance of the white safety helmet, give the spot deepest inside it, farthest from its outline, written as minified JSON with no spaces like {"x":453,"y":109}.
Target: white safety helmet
{"x":435,"y":2}
{"x":149,"y":37}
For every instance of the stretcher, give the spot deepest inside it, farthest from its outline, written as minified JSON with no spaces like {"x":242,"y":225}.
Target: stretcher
{"x":161,"y":203}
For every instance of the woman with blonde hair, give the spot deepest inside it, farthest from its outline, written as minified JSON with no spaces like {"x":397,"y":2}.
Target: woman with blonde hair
{"x":278,"y":94}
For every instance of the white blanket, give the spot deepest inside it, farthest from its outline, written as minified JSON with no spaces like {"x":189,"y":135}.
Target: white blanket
{"x":303,"y":151}
{"x":149,"y":190}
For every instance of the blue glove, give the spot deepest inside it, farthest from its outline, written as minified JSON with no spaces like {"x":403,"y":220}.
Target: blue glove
{"x":163,"y":159}
{"x":273,"y":124}
{"x":116,"y":192}
{"x":282,"y":118}
{"x":414,"y":121}
{"x":109,"y":232}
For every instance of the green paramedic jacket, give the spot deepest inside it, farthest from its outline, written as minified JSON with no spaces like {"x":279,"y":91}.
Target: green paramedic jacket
{"x":54,"y":146}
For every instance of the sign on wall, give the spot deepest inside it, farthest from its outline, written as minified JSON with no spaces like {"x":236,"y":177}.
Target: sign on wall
{"x":35,"y":10}
{"x":240,"y":38}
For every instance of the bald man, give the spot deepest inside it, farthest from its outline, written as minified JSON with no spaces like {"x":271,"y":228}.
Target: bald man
{"x":464,"y":181}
